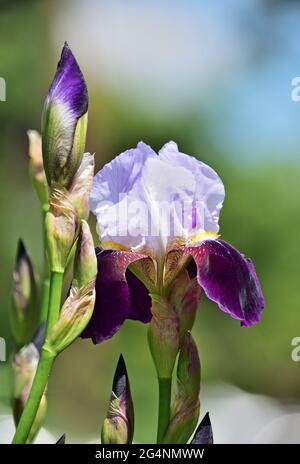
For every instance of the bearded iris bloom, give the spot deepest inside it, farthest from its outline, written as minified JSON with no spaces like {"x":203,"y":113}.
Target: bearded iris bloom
{"x":157,"y":215}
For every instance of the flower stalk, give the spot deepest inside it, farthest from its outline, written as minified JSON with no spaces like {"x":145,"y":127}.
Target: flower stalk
{"x":64,"y":124}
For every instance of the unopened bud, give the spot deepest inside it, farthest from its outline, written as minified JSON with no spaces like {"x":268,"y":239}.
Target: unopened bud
{"x":188,"y":371}
{"x":24,"y":313}
{"x":163,"y":336}
{"x":185,"y":406}
{"x":23,"y":369}
{"x":118,"y":426}
{"x":85,"y":265}
{"x":81,"y":186}
{"x":60,"y":224}
{"x":204,"y":433}
{"x":61,"y":440}
{"x":74,"y":317}
{"x":36,"y":167}
{"x":64,"y":122}
{"x":185,"y":296}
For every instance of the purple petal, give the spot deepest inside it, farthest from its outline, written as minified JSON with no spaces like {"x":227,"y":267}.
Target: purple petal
{"x":203,"y":434}
{"x":119,"y":296}
{"x":228,"y":279}
{"x":69,"y":86}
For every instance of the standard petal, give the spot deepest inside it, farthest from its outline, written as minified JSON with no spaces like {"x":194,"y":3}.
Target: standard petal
{"x":119,"y":296}
{"x":228,"y":279}
{"x":119,"y":176}
{"x":209,"y":193}
{"x":112,"y":200}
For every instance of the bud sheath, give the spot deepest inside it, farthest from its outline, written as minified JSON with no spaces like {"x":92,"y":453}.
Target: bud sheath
{"x":185,"y":407}
{"x":118,"y":425}
{"x":163,"y":336}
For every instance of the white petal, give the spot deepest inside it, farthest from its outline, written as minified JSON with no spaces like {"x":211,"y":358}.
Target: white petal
{"x":143,"y":201}
{"x":112,"y":183}
{"x":209,"y":193}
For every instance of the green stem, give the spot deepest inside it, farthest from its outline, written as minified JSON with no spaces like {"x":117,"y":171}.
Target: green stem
{"x":33,"y":402}
{"x":56,"y":282}
{"x":44,"y":366}
{"x":46,"y":279}
{"x":45,"y":299}
{"x":163,"y":407}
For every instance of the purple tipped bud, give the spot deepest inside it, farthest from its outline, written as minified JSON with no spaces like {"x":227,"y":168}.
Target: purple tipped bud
{"x":24,"y":313}
{"x":204,"y":433}
{"x":163,"y":336}
{"x":60,"y":223}
{"x":64,"y":122}
{"x":24,"y":368}
{"x":186,"y":405}
{"x":36,"y":167}
{"x":61,"y":440}
{"x":118,"y":426}
{"x":85,"y":265}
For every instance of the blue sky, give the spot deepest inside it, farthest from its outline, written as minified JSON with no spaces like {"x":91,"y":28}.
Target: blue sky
{"x":233,"y":59}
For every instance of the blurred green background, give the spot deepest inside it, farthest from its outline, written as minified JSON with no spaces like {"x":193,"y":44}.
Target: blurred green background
{"x":216,"y":79}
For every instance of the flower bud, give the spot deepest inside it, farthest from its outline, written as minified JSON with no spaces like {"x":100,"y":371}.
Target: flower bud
{"x":36,"y":167}
{"x":64,"y":122}
{"x":81,"y":186}
{"x":85,"y":265}
{"x":118,"y":425}
{"x":204,"y":433}
{"x":163,"y":336}
{"x":185,"y":296}
{"x":74,"y":317}
{"x":61,"y":440}
{"x":60,"y":224}
{"x":188,"y":372}
{"x":24,"y":313}
{"x":185,"y":407}
{"x":23,"y":369}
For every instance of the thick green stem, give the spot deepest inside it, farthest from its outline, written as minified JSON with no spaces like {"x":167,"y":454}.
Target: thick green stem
{"x":34,"y":399}
{"x":56,"y":282}
{"x":44,"y":366}
{"x":163,"y":407}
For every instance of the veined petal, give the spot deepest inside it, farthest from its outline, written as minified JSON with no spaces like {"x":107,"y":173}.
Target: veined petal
{"x":119,"y":295}
{"x":228,"y":279}
{"x":110,"y":201}
{"x":149,"y":203}
{"x":119,"y":176}
{"x":68,"y":86}
{"x":209,"y":193}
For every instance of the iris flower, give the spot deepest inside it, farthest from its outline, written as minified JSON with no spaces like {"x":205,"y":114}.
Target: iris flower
{"x":157,"y":215}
